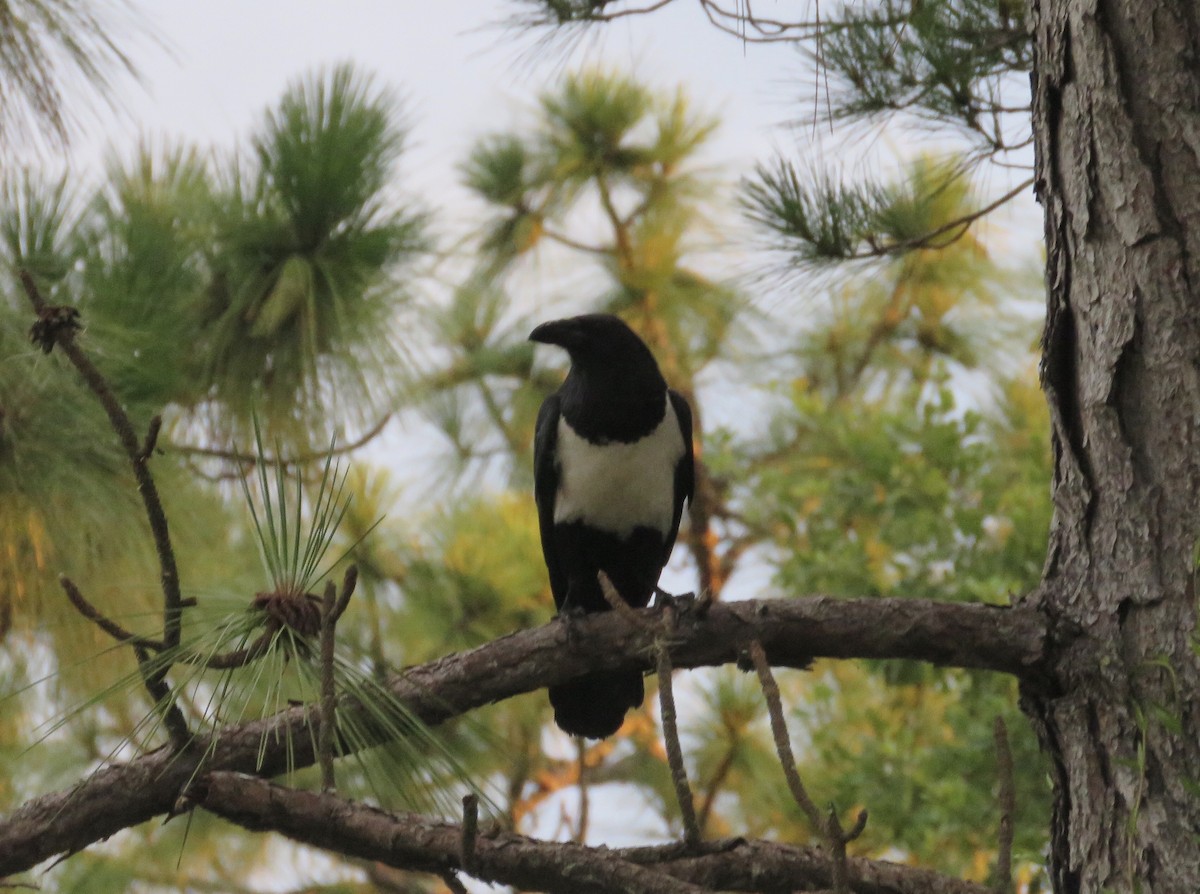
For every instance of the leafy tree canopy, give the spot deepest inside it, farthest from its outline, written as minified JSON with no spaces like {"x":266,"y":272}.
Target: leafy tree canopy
{"x":885,"y":439}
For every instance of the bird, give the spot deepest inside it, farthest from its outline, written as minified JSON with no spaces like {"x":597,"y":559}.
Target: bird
{"x":613,"y":466}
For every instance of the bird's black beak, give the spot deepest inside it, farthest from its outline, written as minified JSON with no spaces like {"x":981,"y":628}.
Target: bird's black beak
{"x":563,"y":333}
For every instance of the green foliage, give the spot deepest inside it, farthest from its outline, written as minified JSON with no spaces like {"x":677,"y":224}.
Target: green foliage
{"x":957,"y":64}
{"x":817,"y":216}
{"x":882,"y":477}
{"x":397,"y":757}
{"x":51,"y":511}
{"x":157,"y":259}
{"x":822,"y":220}
{"x":602,"y":138}
{"x":36,"y":226}
{"x":947,"y":60}
{"x":896,"y":500}
{"x":916,"y":750}
{"x":479,"y":577}
{"x":293,"y":544}
{"x":219,"y":287}
{"x":301,"y":294}
{"x":48,"y":49}
{"x":143,"y":253}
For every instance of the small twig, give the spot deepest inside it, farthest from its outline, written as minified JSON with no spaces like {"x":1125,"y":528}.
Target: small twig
{"x":860,"y":826}
{"x":470,"y":830}
{"x":666,"y":703}
{"x":223,"y":661}
{"x":251,"y":459}
{"x":450,"y":880}
{"x":954,"y":230}
{"x":1002,"y":881}
{"x":154,"y":679}
{"x":151,"y":438}
{"x":349,"y":581}
{"x":616,"y":603}
{"x":93,"y":614}
{"x":235,"y":659}
{"x":836,"y":838}
{"x":783,"y":745}
{"x":582,"y":823}
{"x":325,"y":734}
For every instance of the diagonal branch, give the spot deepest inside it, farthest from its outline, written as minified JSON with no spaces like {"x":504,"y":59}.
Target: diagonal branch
{"x":942,"y":236}
{"x":792,"y":632}
{"x":666,"y":702}
{"x":64,"y":338}
{"x":56,"y":326}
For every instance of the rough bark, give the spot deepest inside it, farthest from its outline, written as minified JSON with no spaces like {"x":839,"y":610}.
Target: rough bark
{"x":791,"y":631}
{"x":1117,"y":125}
{"x":411,"y":842}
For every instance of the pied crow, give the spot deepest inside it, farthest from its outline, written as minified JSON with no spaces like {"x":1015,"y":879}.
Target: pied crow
{"x":612,"y":468}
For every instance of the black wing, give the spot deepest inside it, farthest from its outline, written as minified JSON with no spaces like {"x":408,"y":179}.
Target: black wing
{"x":545,"y":490}
{"x":685,"y":471}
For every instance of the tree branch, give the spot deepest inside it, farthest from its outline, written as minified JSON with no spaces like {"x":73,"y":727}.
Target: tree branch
{"x":836,"y":838}
{"x":774,"y":868}
{"x":328,"y":726}
{"x":792,"y":632}
{"x":411,"y":842}
{"x":952,"y":230}
{"x":666,"y":703}
{"x":1002,"y":876}
{"x":56,"y":326}
{"x":300,"y":459}
{"x":415,"y":843}
{"x":64,"y":338}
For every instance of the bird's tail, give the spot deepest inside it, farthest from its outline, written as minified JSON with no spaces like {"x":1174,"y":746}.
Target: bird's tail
{"x":594,"y":705}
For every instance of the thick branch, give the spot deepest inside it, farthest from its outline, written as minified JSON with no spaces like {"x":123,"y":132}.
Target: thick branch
{"x":774,"y":868}
{"x":415,"y":843}
{"x":792,"y":631}
{"x":410,"y":842}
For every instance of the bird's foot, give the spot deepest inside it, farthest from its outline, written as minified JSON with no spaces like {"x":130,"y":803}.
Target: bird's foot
{"x":683,"y":603}
{"x":570,"y":615}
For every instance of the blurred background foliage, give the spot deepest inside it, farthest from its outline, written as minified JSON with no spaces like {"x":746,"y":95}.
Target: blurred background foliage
{"x":873,"y":428}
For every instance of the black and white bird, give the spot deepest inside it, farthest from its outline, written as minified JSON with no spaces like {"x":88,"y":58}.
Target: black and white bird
{"x":612,"y":469}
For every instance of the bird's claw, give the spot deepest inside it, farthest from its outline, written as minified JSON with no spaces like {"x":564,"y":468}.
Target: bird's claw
{"x":570,"y":615}
{"x":683,"y":603}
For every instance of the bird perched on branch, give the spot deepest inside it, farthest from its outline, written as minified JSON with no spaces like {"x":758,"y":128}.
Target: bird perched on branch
{"x":612,"y":468}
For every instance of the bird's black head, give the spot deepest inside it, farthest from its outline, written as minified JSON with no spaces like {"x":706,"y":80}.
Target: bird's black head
{"x":614,"y":391}
{"x":598,"y":342}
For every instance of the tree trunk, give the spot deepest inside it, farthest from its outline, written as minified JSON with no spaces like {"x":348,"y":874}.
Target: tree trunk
{"x":1116,"y":122}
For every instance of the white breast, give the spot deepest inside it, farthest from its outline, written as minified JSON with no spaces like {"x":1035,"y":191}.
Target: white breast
{"x":618,"y":487}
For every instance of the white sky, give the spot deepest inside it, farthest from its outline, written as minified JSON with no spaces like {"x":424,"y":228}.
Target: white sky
{"x":462,"y":71}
